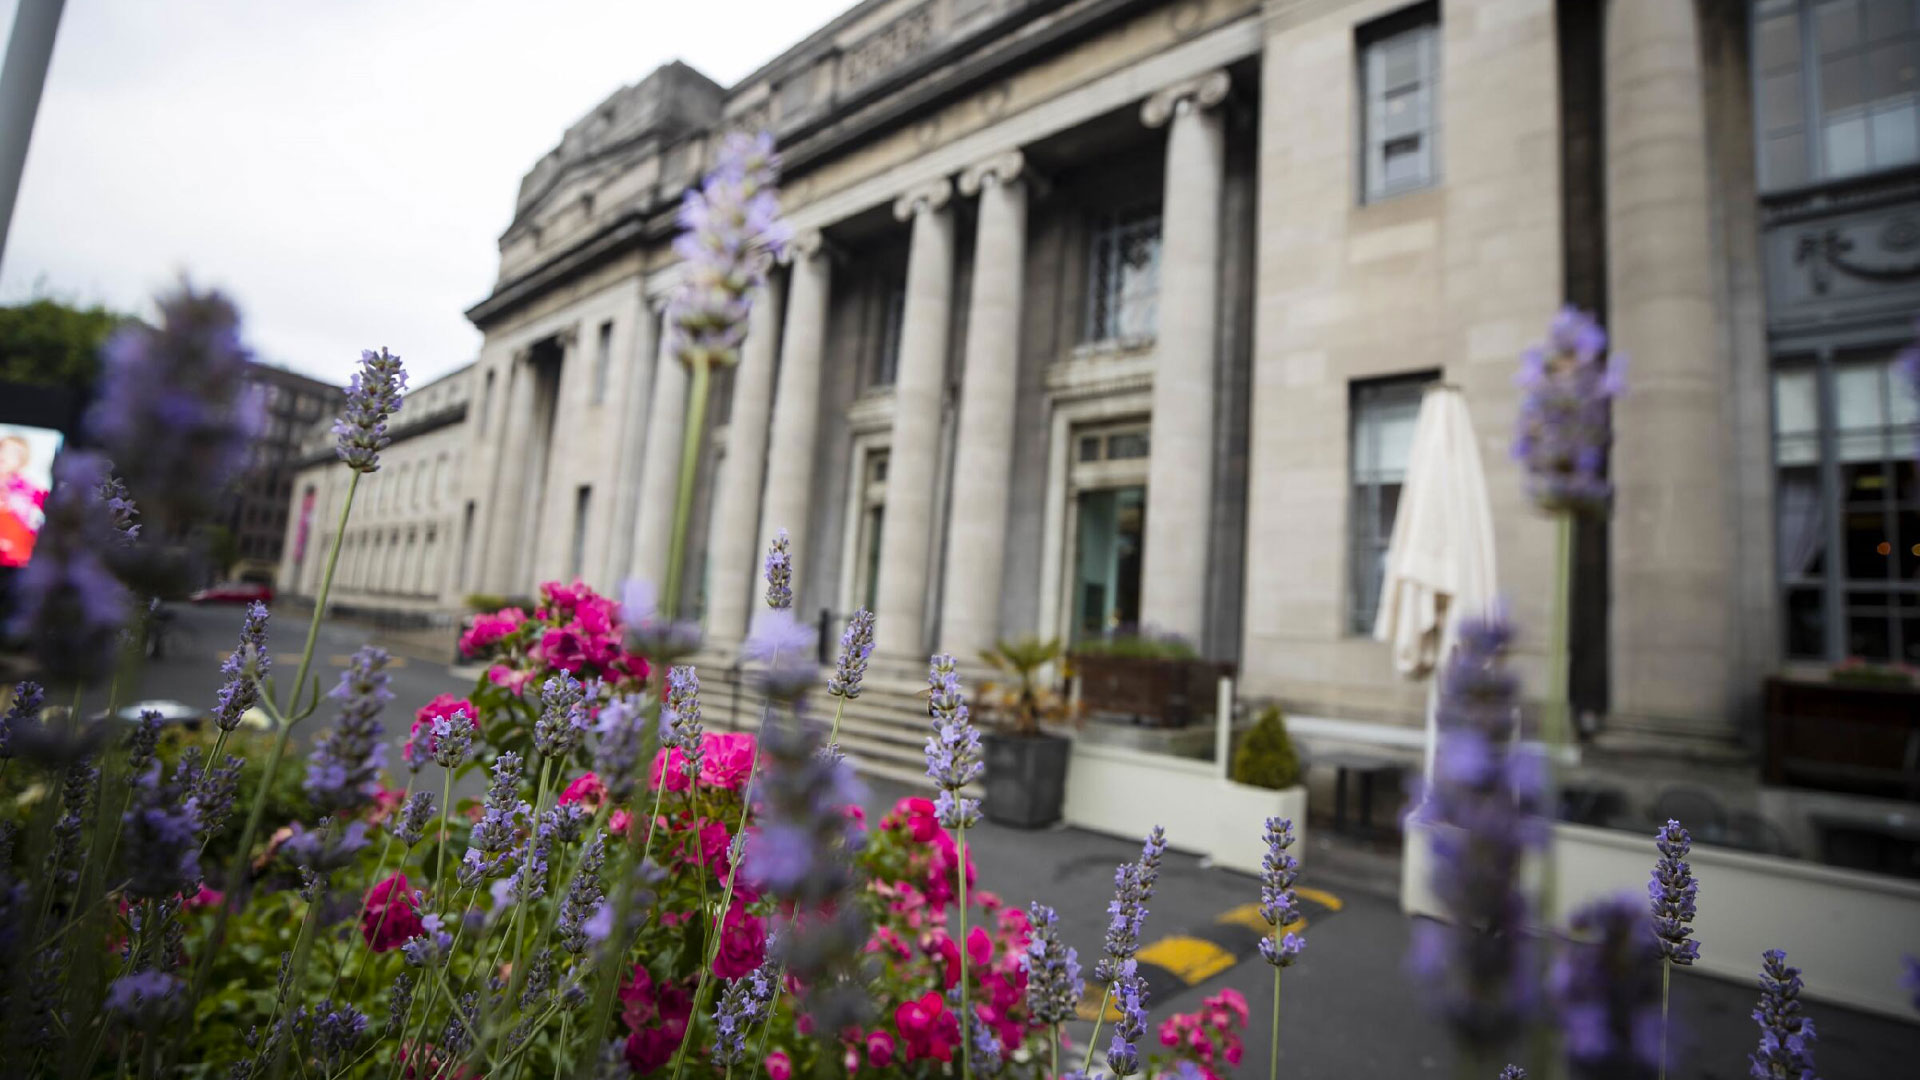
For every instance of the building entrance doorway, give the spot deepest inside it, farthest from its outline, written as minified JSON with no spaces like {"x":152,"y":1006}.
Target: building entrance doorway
{"x":1109,"y":493}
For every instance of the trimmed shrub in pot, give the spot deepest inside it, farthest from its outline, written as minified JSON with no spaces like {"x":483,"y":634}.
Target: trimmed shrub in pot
{"x":1266,"y":757}
{"x":1264,"y":781}
{"x":1026,"y":768}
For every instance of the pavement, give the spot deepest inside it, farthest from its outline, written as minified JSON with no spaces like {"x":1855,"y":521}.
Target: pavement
{"x":1349,"y":1011}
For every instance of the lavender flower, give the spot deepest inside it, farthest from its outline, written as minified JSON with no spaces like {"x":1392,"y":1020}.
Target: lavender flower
{"x":176,"y":407}
{"x":415,"y":816}
{"x":680,"y":726}
{"x":1606,"y":986}
{"x":1488,"y":799}
{"x":373,"y":396}
{"x":953,"y":750}
{"x":563,"y":718}
{"x":70,"y":606}
{"x":336,"y":1034}
{"x":324,"y":849}
{"x":649,"y":632}
{"x":452,"y":738}
{"x":121,"y":511}
{"x":399,"y":1004}
{"x":731,"y":233}
{"x":744,"y":1004}
{"x":1130,"y":996}
{"x":530,"y":878}
{"x":144,"y":998}
{"x":1513,"y":1072}
{"x":1127,"y":912}
{"x":856,"y":647}
{"x":431,"y":947}
{"x":585,"y":896}
{"x":212,"y":791}
{"x":490,"y":854}
{"x":28,"y":697}
{"x":344,"y":767}
{"x":783,"y":647}
{"x":988,"y":1055}
{"x":1566,"y":423}
{"x":1053,"y":969}
{"x":1786,"y":1036}
{"x":46,"y":1020}
{"x":780,"y":573}
{"x":1278,"y":904}
{"x":161,"y":836}
{"x":618,"y":746}
{"x":244,"y":668}
{"x":1672,"y":890}
{"x":77,"y":792}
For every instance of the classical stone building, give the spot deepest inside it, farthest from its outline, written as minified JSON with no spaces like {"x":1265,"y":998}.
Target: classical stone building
{"x":1110,"y":312}
{"x":408,"y":542}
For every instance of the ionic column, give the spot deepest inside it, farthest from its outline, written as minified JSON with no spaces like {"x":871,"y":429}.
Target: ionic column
{"x":660,"y":464}
{"x":634,"y":404}
{"x":796,"y":398}
{"x":912,"y":460}
{"x":1671,"y":623}
{"x":508,"y":514}
{"x":1173,"y":587}
{"x":733,"y":547}
{"x":983,"y":455}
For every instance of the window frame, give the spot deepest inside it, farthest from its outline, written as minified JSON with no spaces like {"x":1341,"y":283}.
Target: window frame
{"x":1364,"y":533}
{"x":1107,"y":300}
{"x":1814,"y":156}
{"x":1421,"y":21}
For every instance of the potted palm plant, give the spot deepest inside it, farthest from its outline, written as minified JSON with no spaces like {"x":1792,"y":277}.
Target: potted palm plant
{"x":1026,"y":774}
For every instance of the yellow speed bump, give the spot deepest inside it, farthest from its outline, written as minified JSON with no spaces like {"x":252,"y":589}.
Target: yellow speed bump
{"x":1190,"y":958}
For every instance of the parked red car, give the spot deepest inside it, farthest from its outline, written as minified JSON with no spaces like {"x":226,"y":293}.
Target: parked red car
{"x":234,"y":592}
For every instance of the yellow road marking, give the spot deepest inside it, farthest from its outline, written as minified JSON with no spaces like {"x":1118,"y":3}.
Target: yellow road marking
{"x":1325,"y":899}
{"x":1248,"y":915}
{"x":1191,"y":958}
{"x":1089,"y":1007}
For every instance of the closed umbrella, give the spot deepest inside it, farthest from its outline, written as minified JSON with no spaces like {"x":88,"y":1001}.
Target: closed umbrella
{"x":1440,"y":562}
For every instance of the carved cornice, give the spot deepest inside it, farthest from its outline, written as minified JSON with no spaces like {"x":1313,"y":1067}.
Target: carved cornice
{"x":930,"y":196}
{"x":1003,"y":168}
{"x":1201,"y":91}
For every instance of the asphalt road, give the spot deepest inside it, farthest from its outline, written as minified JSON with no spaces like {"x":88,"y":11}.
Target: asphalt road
{"x":1348,"y":1012}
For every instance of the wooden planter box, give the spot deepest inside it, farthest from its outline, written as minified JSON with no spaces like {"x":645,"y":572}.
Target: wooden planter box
{"x":1163,"y":693}
{"x":1838,"y":736}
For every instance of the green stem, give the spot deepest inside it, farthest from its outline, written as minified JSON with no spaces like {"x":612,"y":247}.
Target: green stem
{"x":1273,"y":1053}
{"x":966,"y":1011}
{"x":839,"y":706}
{"x":1666,"y":976}
{"x":1098,"y":1018}
{"x":689,"y":469}
{"x":446,"y":830}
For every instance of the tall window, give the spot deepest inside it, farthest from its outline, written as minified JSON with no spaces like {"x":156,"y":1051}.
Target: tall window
{"x":1836,"y":88}
{"x":577,"y":561}
{"x":1123,"y":276}
{"x":893,"y":317}
{"x":1399,"y":70}
{"x":602,"y":359}
{"x":1847,"y":506}
{"x":1383,"y":415}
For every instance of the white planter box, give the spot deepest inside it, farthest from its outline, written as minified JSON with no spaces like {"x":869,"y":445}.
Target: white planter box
{"x":1123,"y":792}
{"x":1845,"y":930}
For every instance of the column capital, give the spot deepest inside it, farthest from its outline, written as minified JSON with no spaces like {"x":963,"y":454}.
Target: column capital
{"x":1201,"y":91}
{"x":930,"y":196}
{"x":1003,"y":168}
{"x":805,"y":245}
{"x":568,"y":337}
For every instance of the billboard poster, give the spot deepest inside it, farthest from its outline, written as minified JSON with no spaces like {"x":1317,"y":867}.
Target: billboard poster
{"x":26,"y":475}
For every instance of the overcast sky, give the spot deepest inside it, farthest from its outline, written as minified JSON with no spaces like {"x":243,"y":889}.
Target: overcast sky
{"x":342,"y":168}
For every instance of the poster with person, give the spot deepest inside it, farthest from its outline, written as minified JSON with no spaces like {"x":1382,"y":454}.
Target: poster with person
{"x":26,"y":475}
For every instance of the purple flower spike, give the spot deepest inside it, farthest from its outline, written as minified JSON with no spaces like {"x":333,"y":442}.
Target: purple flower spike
{"x":373,"y":396}
{"x":1488,"y":798}
{"x":780,"y":572}
{"x":1606,"y":987}
{"x":28,"y":697}
{"x":731,"y":234}
{"x":1278,"y":905}
{"x":953,"y":750}
{"x":1130,"y":997}
{"x":1786,"y":1036}
{"x":1127,"y":912}
{"x":1513,"y":1072}
{"x":70,"y":604}
{"x":783,"y":647}
{"x":1672,"y":891}
{"x":248,"y":663}
{"x":744,"y":1004}
{"x":856,"y":647}
{"x":344,"y":767}
{"x":176,"y":410}
{"x":1566,"y":420}
{"x":1053,"y":969}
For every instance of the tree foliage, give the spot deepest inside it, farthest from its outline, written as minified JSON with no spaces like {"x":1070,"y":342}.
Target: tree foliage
{"x":48,"y":343}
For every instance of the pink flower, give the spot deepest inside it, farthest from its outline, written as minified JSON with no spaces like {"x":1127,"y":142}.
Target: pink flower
{"x":947,"y":952}
{"x":674,"y":764}
{"x":444,"y":706}
{"x":779,"y":1066}
{"x":562,"y":648}
{"x":884,"y":938}
{"x":619,"y":821}
{"x":879,"y":1049}
{"x":1232,"y":1001}
{"x":205,"y":898}
{"x":979,"y":947}
{"x":713,"y":848}
{"x":585,"y":789}
{"x":727,"y":761}
{"x":514,"y":681}
{"x":922,"y":823}
{"x":388,"y":919}
{"x":490,"y":629}
{"x":927,"y":1027}
{"x":743,"y":943}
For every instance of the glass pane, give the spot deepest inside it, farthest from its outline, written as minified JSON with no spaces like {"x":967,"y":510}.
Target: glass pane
{"x":1780,"y":101}
{"x":1907,"y":545}
{"x":1778,"y":40}
{"x":1127,"y":446}
{"x":1842,"y":84}
{"x":1846,"y":146}
{"x":1806,"y":624}
{"x":1836,"y":25}
{"x":1383,"y":435}
{"x":1110,"y":525}
{"x":1796,"y":417}
{"x":1403,"y":113}
{"x":1869,"y":550}
{"x":1860,"y":394}
{"x":1886,"y":18}
{"x":876,"y":518}
{"x":1786,"y":160}
{"x":1891,"y":71}
{"x":1869,"y":632}
{"x":1400,"y":60}
{"x":1802,"y":523}
{"x":1895,"y":140}
{"x":1090,"y":448}
{"x":1404,"y":162}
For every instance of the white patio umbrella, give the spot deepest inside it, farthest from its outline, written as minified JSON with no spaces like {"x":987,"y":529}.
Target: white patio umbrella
{"x":1440,"y":562}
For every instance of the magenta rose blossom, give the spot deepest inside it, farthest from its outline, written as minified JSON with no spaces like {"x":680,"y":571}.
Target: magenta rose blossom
{"x":488,"y":630}
{"x":586,"y":789}
{"x":743,"y":943}
{"x":388,"y":918}
{"x":564,"y":649}
{"x":728,"y":761}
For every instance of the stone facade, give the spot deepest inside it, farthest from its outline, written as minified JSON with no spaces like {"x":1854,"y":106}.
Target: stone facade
{"x":1089,"y":301}
{"x":407,"y":544}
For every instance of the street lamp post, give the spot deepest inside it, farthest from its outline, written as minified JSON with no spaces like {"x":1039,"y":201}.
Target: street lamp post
{"x":29,"y":51}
